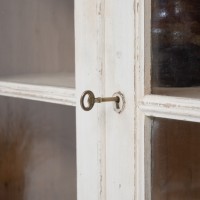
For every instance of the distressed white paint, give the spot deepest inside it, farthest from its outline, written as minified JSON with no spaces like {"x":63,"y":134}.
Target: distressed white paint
{"x":50,"y":94}
{"x":127,"y":69}
{"x":89,"y":18}
{"x":119,"y":61}
{"x":185,"y":108}
{"x":171,"y":107}
{"x":113,"y":54}
{"x":142,"y":87}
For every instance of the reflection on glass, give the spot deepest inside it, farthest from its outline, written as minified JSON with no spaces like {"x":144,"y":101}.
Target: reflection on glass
{"x":175,"y":43}
{"x":37,"y":151}
{"x":36,"y":37}
{"x":175,"y":160}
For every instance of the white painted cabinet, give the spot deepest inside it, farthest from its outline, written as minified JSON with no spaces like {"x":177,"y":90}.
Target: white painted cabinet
{"x":51,"y":52}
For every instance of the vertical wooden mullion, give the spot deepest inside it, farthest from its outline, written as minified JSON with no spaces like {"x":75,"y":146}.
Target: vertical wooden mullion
{"x":119,"y":63}
{"x":89,"y":23}
{"x":142,"y":88}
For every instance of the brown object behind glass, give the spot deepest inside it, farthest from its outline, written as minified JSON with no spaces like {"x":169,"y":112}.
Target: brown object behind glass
{"x":37,"y":151}
{"x":176,"y":43}
{"x":175,"y":160}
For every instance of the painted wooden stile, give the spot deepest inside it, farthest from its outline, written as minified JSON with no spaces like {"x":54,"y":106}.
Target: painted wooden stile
{"x":90,"y":72}
{"x":113,"y":53}
{"x":119,"y":64}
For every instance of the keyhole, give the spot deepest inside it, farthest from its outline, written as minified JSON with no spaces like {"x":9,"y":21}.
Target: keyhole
{"x":120,"y":104}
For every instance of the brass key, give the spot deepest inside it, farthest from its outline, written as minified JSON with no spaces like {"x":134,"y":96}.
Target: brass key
{"x":92,"y":100}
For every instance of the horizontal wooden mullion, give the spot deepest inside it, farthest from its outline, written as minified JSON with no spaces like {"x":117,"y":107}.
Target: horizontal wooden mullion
{"x":178,"y":108}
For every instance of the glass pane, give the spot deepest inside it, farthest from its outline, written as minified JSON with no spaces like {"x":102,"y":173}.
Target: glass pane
{"x":37,"y":151}
{"x":175,"y":160}
{"x":37,"y":40}
{"x":176,"y":47}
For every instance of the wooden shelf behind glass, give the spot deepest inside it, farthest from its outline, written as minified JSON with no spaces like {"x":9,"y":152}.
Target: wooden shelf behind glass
{"x":53,"y":88}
